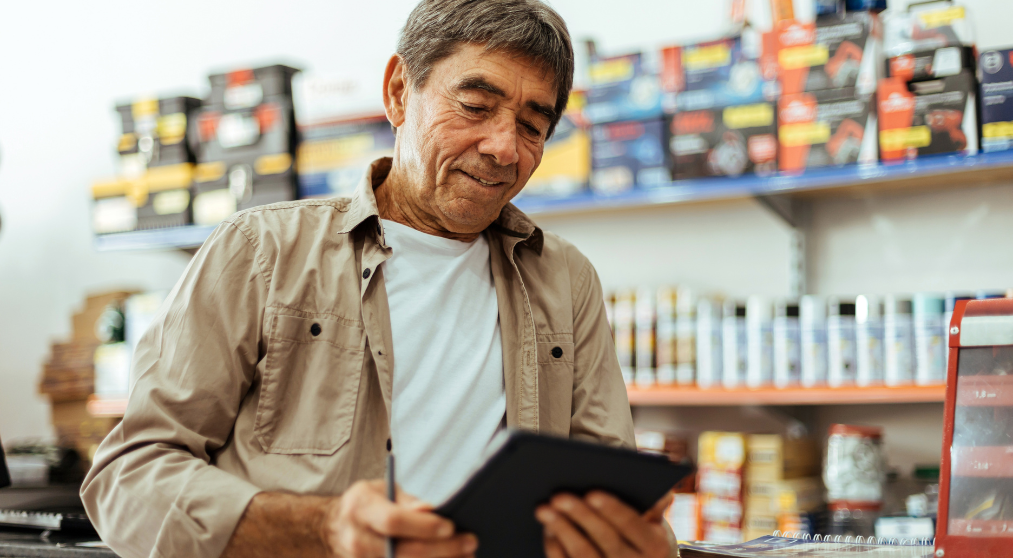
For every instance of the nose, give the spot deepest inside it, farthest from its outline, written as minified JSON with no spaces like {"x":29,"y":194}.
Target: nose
{"x":500,"y":141}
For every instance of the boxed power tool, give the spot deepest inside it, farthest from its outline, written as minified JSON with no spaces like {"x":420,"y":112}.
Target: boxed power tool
{"x":628,"y":154}
{"x":623,"y":88}
{"x":834,"y":52}
{"x":246,"y":141}
{"x":931,"y":64}
{"x":712,"y":74}
{"x":724,"y":142}
{"x":155,"y":133}
{"x":158,"y":199}
{"x":333,"y":157}
{"x":997,"y":100}
{"x":927,"y":26}
{"x":826,"y":128}
{"x":928,"y":117}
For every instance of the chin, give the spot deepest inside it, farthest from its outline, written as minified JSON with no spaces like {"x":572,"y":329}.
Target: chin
{"x":467,"y":216}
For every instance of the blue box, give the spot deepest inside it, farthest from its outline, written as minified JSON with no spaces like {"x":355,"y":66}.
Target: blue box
{"x":996,"y":74}
{"x":622,"y":88}
{"x":333,"y":157}
{"x":709,"y":75}
{"x":629,"y":154}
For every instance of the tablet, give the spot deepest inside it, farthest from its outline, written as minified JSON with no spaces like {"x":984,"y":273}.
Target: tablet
{"x":525,"y":470}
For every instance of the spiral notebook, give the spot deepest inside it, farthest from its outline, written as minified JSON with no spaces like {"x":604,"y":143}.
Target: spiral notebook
{"x":794,"y":544}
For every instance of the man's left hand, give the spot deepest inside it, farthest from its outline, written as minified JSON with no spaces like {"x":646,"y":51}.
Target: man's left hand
{"x":600,"y":526}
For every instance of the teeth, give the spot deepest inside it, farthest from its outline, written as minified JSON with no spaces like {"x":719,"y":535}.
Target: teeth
{"x":486,"y":182}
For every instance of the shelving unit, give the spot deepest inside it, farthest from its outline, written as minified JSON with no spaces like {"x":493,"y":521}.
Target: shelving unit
{"x":930,"y":172}
{"x":696,"y":397}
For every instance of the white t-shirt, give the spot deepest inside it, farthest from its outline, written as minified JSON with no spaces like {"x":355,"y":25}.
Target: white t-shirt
{"x":449,"y":396}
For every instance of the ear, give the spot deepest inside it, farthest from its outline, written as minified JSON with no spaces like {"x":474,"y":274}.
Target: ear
{"x":395,"y":88}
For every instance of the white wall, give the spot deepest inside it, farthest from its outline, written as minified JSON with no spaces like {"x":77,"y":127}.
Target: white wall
{"x":67,"y":63}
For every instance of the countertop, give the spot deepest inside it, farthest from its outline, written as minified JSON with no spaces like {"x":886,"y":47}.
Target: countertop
{"x":28,"y":544}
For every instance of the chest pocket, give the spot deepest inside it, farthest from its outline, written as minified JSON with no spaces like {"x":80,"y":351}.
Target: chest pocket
{"x":310,"y":383}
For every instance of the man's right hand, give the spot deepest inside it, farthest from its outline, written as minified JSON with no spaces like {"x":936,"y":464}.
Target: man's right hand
{"x":356,"y":524}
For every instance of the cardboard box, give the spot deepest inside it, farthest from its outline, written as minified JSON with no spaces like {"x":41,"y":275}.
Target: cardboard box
{"x":628,"y":154}
{"x":623,"y":88}
{"x":155,"y":133}
{"x":772,"y":457}
{"x":931,"y":64}
{"x":928,"y":117}
{"x":333,"y":157}
{"x":724,"y":142}
{"x":777,"y":497}
{"x":826,"y":128}
{"x":997,"y":100}
{"x":711,"y":75}
{"x":684,"y":517}
{"x":566,"y":161}
{"x":835,"y":52}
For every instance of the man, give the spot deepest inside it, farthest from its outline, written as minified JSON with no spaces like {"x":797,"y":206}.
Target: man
{"x":424,"y":313}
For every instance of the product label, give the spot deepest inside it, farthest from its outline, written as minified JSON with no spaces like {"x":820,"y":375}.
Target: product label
{"x":610,"y":71}
{"x":997,"y":130}
{"x":712,"y":56}
{"x":794,"y":135}
{"x":939,"y":18}
{"x":904,"y":138}
{"x":803,"y":57}
{"x":749,"y":116}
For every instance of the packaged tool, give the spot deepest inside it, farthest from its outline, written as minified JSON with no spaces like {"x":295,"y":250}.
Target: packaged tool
{"x":826,"y":128}
{"x":997,"y":100}
{"x":928,"y":117}
{"x":727,"y":141}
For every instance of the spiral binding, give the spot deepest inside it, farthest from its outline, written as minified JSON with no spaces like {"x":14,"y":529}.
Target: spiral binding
{"x":838,"y":539}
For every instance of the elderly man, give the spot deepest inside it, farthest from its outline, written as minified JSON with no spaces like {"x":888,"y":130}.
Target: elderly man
{"x":424,"y":313}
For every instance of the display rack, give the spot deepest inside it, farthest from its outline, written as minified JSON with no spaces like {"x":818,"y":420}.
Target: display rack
{"x":696,"y":397}
{"x":929,"y":172}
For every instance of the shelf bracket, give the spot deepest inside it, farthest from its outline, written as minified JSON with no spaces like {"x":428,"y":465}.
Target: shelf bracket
{"x":794,"y":213}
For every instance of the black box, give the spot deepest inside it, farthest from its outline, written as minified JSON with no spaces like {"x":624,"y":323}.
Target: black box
{"x":931,"y":64}
{"x":724,"y":142}
{"x":629,"y":154}
{"x":163,"y":197}
{"x":247,"y":88}
{"x":928,"y":117}
{"x":155,"y":133}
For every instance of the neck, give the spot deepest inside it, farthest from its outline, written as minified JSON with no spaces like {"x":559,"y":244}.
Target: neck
{"x":394,"y":204}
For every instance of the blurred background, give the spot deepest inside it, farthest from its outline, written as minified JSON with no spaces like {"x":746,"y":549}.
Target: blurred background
{"x":731,"y":195}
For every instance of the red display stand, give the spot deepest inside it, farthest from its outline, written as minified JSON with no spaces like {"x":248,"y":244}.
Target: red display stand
{"x":976,"y":480}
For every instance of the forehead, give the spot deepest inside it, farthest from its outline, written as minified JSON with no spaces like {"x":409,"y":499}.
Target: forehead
{"x":506,"y":70}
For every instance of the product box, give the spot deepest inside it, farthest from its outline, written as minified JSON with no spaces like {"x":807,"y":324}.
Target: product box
{"x":333,"y":157}
{"x":997,"y":100}
{"x":628,"y":154}
{"x":927,"y":26}
{"x":157,"y":199}
{"x":928,"y":117}
{"x":623,"y":88}
{"x":155,"y":133}
{"x":773,"y":498}
{"x":711,"y":75}
{"x":826,"y":128}
{"x":835,"y":52}
{"x":771,"y":457}
{"x":683,"y":517}
{"x":724,"y":142}
{"x":931,"y":64}
{"x":246,"y":142}
{"x":566,"y":160}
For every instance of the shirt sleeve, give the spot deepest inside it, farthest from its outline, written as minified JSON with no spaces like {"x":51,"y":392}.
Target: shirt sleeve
{"x":152,"y":490}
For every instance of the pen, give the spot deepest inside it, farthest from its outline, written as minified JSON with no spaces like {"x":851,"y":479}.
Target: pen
{"x":392,"y":496}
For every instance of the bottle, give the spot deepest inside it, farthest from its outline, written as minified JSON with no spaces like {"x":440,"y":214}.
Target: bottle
{"x":759,"y":342}
{"x":841,"y":344}
{"x":898,"y":341}
{"x":813,"y":333}
{"x":929,"y":341}
{"x":733,"y":345}
{"x":625,"y":335}
{"x":868,"y":340}
{"x":666,"y":336}
{"x":708,"y":343}
{"x":685,"y":337}
{"x":645,"y":340}
{"x":787,"y":351}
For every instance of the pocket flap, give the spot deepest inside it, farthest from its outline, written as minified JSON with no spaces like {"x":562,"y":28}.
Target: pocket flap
{"x":326,"y":328}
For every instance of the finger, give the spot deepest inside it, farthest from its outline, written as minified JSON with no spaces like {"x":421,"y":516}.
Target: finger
{"x":361,"y":542}
{"x":574,"y":543}
{"x":394,"y":520}
{"x":657,"y":513}
{"x":601,"y":532}
{"x":642,"y":534}
{"x":552,"y":547}
{"x":460,"y":545}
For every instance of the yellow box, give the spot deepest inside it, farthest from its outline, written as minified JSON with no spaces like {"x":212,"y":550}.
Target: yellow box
{"x":771,"y":457}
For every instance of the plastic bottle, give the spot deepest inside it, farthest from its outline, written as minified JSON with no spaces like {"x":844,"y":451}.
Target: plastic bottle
{"x":787,"y":345}
{"x":898,"y":341}
{"x":733,"y":345}
{"x":813,"y":333}
{"x":759,"y":342}
{"x":868,"y":340}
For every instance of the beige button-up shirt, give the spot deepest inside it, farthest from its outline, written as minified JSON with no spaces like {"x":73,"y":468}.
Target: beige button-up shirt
{"x":269,"y":369}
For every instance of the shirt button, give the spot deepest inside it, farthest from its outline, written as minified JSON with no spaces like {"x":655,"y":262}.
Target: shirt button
{"x":388,"y":444}
{"x":365,"y":274}
{"x":315,"y":330}
{"x":557,"y":352}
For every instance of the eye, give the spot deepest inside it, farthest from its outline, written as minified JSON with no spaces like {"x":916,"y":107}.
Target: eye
{"x":474,"y":109}
{"x":532,"y":130}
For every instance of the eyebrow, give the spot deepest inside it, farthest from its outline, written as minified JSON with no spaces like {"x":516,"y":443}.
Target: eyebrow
{"x":478,"y":83}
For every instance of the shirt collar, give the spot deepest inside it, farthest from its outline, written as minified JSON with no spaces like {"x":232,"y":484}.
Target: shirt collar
{"x":511,"y":221}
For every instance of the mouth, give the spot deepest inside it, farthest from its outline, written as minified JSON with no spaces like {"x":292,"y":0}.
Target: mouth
{"x":480,"y":180}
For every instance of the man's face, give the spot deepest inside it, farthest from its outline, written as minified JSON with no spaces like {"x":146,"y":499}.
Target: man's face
{"x":473,"y":134}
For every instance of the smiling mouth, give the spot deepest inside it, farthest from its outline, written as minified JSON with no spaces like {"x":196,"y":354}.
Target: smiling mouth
{"x":481,"y":181}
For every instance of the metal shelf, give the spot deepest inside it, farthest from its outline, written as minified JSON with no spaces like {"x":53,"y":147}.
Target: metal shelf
{"x":696,"y":397}
{"x":928,"y":172}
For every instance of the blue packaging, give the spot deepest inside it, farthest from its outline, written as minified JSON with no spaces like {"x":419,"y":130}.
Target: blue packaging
{"x":829,"y":7}
{"x":866,"y":5}
{"x":333,"y":157}
{"x":629,"y":154}
{"x":622,"y":88}
{"x":713,"y":74}
{"x":996,"y":73}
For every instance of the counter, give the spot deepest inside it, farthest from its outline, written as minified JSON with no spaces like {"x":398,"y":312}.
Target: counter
{"x":27,"y":544}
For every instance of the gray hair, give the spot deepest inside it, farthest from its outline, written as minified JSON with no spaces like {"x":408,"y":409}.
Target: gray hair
{"x":530,"y":28}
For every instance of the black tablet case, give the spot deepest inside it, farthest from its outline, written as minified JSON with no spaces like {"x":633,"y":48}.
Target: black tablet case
{"x":5,"y":477}
{"x":498,"y":502}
